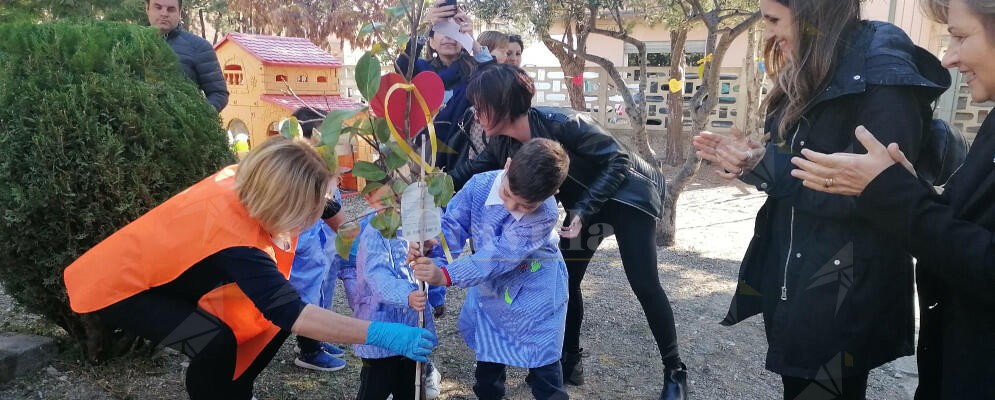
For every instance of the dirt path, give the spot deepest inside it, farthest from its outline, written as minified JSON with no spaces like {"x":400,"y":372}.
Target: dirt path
{"x":699,"y":273}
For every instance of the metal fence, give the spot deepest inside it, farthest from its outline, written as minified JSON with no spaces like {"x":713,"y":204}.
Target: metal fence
{"x":605,"y":105}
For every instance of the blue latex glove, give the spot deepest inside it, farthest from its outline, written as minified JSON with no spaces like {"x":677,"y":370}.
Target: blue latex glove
{"x":411,"y":342}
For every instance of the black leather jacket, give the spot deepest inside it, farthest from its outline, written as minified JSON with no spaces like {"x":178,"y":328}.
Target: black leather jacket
{"x":601,"y":168}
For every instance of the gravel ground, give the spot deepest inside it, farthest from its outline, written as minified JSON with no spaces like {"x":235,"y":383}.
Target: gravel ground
{"x":715,"y":224}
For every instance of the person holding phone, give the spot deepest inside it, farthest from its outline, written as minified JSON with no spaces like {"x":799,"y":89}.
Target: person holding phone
{"x":454,"y":65}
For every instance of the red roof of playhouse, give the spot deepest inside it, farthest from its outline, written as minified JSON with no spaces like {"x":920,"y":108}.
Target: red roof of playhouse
{"x":325,"y":103}
{"x":280,"y":50}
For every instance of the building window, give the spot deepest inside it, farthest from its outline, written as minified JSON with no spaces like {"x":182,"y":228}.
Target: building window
{"x":658,"y":53}
{"x":234,"y":75}
{"x":302,"y":78}
{"x":322,"y":79}
{"x":281,"y":78}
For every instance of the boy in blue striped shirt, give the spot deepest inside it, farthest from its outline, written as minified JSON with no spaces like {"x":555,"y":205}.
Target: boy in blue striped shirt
{"x":516,"y":305}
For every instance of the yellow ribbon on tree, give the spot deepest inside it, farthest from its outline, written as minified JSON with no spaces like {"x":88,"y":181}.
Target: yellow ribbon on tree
{"x":403,"y":143}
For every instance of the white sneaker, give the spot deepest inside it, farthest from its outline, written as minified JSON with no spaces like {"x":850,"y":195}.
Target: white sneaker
{"x":432,"y":384}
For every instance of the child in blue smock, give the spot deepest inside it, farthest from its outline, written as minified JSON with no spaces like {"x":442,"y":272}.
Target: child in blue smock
{"x":314,"y":269}
{"x":387,"y":291}
{"x":516,"y":305}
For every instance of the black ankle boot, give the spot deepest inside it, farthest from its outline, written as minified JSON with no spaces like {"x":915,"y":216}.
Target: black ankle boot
{"x":675,"y":386}
{"x":573,"y":368}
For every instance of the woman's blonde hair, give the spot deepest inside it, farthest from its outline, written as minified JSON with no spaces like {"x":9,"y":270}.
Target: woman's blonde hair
{"x":820,"y":26}
{"x":283,"y":184}
{"x":985,"y":10}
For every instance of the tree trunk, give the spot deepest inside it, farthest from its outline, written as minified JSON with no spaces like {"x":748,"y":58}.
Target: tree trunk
{"x":203,"y":23}
{"x":702,"y":103}
{"x":667,"y":227}
{"x":575,"y":92}
{"x":572,"y":65}
{"x":676,"y":138}
{"x":752,"y":83}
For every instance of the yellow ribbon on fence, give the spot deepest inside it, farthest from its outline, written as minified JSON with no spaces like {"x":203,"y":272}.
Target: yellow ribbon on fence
{"x":403,"y":143}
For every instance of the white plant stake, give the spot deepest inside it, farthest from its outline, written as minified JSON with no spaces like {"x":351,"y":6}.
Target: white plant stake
{"x":421,"y":220}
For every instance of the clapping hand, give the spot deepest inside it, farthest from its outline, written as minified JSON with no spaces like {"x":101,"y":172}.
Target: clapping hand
{"x":847,"y":173}
{"x":733,"y":156}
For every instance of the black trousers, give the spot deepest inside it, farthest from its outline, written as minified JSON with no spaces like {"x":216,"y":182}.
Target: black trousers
{"x":546,"y":381}
{"x":848,"y":388}
{"x":635,"y":232}
{"x":382,"y":377}
{"x":208,"y":341}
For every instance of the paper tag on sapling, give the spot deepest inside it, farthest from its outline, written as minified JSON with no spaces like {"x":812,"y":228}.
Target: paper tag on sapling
{"x":421,"y":220}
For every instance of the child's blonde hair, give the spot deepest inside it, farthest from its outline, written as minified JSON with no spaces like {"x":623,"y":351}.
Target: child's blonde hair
{"x":493,"y":39}
{"x":283,"y":184}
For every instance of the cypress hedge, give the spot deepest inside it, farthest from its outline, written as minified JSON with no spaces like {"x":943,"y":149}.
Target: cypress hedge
{"x":97,"y":126}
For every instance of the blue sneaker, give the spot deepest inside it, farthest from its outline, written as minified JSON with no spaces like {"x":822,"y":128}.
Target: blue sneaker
{"x":319,"y":361}
{"x":333,"y":349}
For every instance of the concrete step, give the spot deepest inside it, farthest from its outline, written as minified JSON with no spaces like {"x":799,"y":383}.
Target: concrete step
{"x":23,"y":354}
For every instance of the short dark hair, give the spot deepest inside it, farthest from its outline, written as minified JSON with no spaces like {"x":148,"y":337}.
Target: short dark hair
{"x":502,"y":91}
{"x":516,"y":39}
{"x":309,"y":120}
{"x":179,"y":4}
{"x":538,"y":169}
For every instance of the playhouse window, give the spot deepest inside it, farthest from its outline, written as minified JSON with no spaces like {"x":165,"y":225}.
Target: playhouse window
{"x":302,"y":78}
{"x":234,"y":75}
{"x":281,"y":78}
{"x":322,"y":79}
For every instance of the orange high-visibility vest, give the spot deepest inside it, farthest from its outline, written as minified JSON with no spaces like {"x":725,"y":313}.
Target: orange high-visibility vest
{"x":162,"y":244}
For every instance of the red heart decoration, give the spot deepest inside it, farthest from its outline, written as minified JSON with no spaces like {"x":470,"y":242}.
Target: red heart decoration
{"x":429,"y":86}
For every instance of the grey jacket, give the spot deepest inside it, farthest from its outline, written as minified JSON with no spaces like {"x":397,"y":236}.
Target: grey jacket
{"x":199,"y":62}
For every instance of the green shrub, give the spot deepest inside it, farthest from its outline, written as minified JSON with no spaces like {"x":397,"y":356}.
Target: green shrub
{"x":97,"y":126}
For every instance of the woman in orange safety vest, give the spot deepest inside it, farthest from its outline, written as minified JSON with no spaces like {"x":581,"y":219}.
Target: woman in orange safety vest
{"x":206,"y":273}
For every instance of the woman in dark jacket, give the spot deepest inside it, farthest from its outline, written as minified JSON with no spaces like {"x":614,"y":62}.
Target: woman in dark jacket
{"x":609,"y":191}
{"x":952,"y":235}
{"x":455,"y":66}
{"x":836,"y":295}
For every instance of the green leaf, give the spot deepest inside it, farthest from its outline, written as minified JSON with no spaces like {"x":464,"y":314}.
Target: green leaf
{"x":343,"y":242}
{"x":387,"y":222}
{"x":368,"y":75}
{"x":381,"y":129}
{"x":290,"y":128}
{"x":328,"y":154}
{"x":401,"y":40}
{"x":396,"y":11}
{"x":398,"y":186}
{"x":441,"y":187}
{"x":367,"y":29}
{"x":395,"y":157}
{"x":370,"y":188}
{"x":368,"y":171}
{"x":331,"y":127}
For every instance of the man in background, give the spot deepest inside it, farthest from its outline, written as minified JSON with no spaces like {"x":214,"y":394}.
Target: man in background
{"x":196,"y":55}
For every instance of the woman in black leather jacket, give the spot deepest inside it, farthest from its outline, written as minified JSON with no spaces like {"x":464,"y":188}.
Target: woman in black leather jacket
{"x":609,"y":191}
{"x":836,"y":295}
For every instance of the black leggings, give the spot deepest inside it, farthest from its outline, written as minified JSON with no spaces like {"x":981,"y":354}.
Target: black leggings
{"x":635,"y":232}
{"x":847,"y":388}
{"x":208,"y":342}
